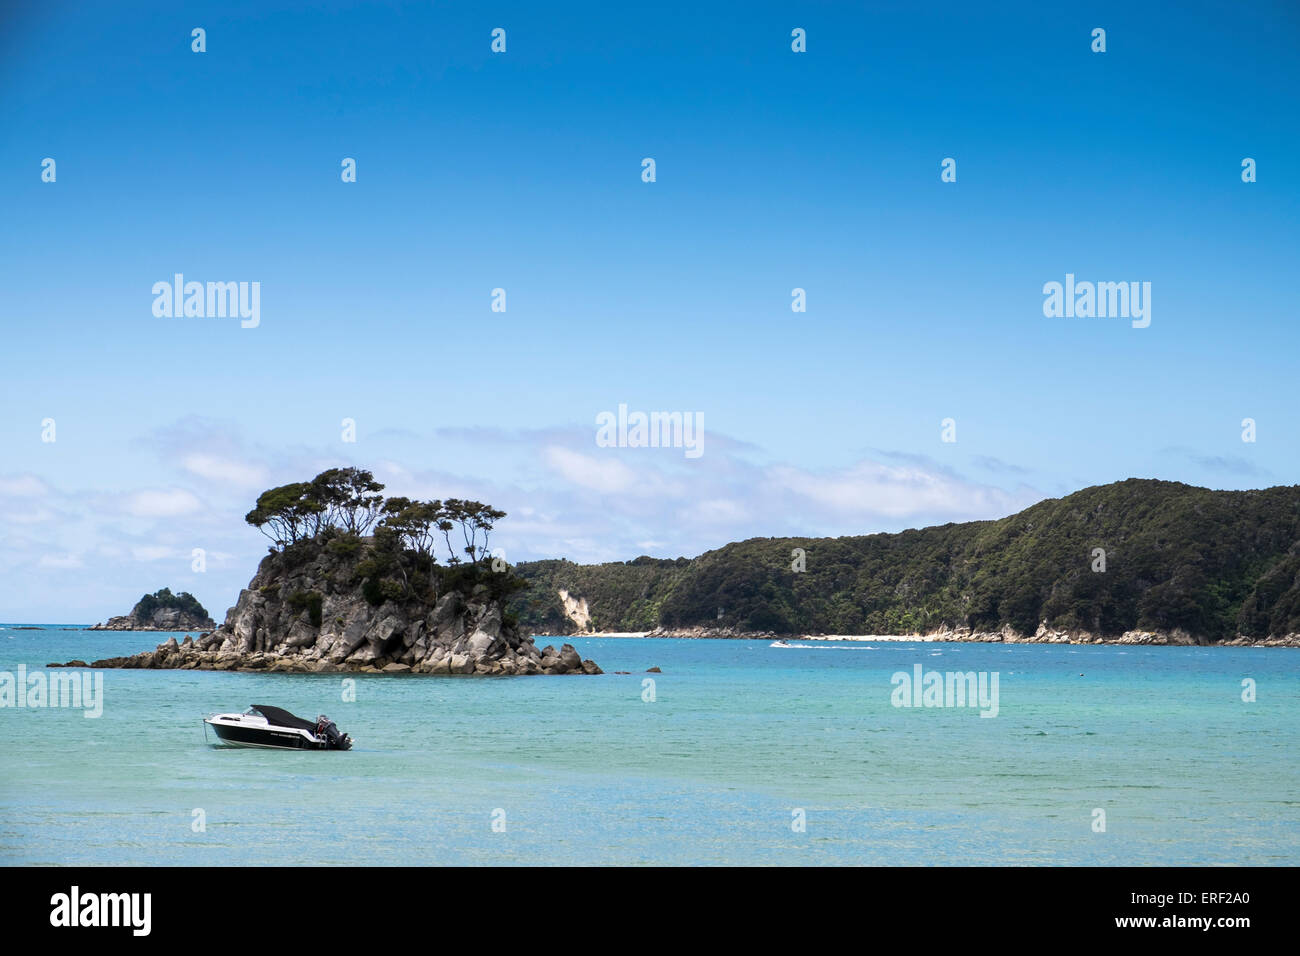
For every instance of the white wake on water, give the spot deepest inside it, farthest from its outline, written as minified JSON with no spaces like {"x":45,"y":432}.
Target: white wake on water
{"x":824,"y":647}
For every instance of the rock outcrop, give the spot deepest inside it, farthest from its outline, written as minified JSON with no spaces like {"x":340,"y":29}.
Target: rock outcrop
{"x":313,"y":610}
{"x":154,"y":614}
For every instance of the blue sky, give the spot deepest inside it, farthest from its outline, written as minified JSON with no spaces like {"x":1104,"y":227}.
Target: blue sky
{"x":522,"y":171}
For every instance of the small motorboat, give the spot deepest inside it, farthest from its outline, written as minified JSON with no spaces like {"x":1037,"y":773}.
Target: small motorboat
{"x":780,"y":643}
{"x":265,"y":726}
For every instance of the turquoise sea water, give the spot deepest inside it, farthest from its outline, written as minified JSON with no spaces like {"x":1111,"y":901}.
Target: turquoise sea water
{"x":739,"y":737}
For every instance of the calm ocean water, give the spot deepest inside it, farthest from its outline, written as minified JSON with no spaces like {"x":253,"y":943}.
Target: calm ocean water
{"x":739,"y":736}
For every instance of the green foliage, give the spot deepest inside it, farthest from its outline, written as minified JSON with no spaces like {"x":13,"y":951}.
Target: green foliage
{"x":417,"y":525}
{"x":286,"y":514}
{"x":340,"y":506}
{"x":309,"y":601}
{"x":340,"y":499}
{"x":1214,"y":563}
{"x":623,"y":596}
{"x":349,"y":498}
{"x":163,"y":598}
{"x":472,"y":518}
{"x":373,"y":590}
{"x":413,"y":526}
{"x":344,"y":545}
{"x":335,"y":513}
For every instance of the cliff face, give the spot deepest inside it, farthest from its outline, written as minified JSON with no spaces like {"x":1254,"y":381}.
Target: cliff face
{"x":575,"y":609}
{"x":312,"y":609}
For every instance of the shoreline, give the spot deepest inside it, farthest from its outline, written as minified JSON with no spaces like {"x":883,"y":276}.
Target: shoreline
{"x":1007,"y":635}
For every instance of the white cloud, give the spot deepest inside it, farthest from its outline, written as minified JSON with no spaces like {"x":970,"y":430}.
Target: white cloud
{"x":23,"y":486}
{"x":869,"y":488}
{"x":152,"y":552}
{"x":632,"y":486}
{"x":228,"y":471}
{"x":60,"y":561}
{"x":606,"y":476}
{"x":162,"y":503}
{"x":717,"y":511}
{"x":36,"y":516}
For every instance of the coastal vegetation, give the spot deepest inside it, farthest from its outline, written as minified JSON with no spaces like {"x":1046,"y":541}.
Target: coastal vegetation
{"x":622,"y":595}
{"x":163,"y":599}
{"x":161,"y":611}
{"x":393,"y":544}
{"x":1135,"y":554}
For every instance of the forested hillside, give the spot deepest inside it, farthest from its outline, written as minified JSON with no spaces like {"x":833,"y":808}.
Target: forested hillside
{"x":1213,"y":563}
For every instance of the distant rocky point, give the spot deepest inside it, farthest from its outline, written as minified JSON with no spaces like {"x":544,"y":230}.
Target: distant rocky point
{"x":162,"y":611}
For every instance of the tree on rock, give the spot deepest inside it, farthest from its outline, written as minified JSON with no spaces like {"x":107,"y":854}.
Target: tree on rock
{"x":287,"y":514}
{"x":413,"y":524}
{"x":350,"y":498}
{"x":473,"y":518}
{"x":163,"y":598}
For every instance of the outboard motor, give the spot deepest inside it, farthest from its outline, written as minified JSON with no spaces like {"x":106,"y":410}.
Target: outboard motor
{"x":329,"y":732}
